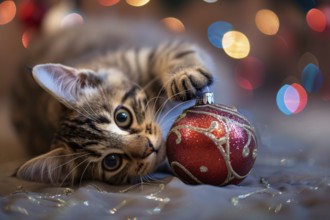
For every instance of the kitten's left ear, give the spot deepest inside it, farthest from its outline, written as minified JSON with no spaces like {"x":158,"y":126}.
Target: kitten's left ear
{"x":65,"y":83}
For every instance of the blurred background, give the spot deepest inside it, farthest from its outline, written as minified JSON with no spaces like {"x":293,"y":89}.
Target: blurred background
{"x":272,"y":55}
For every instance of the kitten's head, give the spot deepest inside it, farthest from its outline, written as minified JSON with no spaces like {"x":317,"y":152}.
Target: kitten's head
{"x":107,"y":131}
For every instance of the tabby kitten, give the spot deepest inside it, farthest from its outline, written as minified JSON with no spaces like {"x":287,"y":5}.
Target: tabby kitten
{"x":93,"y":100}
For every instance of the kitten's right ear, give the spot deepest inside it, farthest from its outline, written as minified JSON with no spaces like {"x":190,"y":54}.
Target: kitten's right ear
{"x":65,"y":83}
{"x":55,"y":167}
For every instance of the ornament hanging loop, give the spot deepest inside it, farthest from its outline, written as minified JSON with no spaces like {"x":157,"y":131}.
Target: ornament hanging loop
{"x":207,"y":98}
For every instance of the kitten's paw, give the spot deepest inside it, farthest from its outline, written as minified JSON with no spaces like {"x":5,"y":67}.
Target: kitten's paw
{"x":187,"y":82}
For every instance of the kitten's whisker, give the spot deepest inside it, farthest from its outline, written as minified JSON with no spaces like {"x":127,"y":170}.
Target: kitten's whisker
{"x":93,"y":168}
{"x":70,"y":173}
{"x":86,"y":114}
{"x":159,"y":111}
{"x":70,"y":161}
{"x":152,"y":99}
{"x":168,"y":98}
{"x":150,"y":83}
{"x":160,"y":92}
{"x":157,"y":98}
{"x":162,"y":106}
{"x":90,"y":108}
{"x":80,"y":154}
{"x":169,"y":122}
{"x":171,"y":110}
{"x":137,"y":85}
{"x":83,"y":173}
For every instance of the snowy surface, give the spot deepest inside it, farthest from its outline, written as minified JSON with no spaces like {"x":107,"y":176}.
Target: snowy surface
{"x":290,"y":180}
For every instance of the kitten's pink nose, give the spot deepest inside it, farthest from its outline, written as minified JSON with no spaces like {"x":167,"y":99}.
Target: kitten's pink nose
{"x":149,"y":149}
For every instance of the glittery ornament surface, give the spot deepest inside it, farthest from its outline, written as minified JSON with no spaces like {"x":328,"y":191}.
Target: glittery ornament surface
{"x":211,"y":144}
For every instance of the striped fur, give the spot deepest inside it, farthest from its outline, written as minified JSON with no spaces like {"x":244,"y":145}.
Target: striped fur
{"x":71,"y":108}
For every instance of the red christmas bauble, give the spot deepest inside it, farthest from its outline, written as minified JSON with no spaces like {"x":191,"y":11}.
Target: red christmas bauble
{"x":211,"y":144}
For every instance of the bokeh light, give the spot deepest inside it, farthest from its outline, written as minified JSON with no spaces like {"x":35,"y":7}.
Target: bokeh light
{"x":210,"y":1}
{"x":312,"y":78}
{"x":267,"y":22}
{"x":108,"y":2}
{"x":71,"y":20}
{"x":173,"y":24}
{"x":250,"y":73}
{"x":316,"y":20}
{"x":26,"y":37}
{"x":291,"y":99}
{"x":326,"y":10}
{"x":280,"y":100}
{"x":302,"y":98}
{"x":305,"y":59}
{"x":137,"y":3}
{"x":216,"y":31}
{"x":7,"y":12}
{"x":236,"y":44}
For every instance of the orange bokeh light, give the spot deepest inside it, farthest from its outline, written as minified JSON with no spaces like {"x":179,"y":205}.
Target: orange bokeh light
{"x":173,"y":24}
{"x":267,"y":22}
{"x":7,"y":12}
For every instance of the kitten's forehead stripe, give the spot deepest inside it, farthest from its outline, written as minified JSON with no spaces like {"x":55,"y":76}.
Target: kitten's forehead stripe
{"x":184,"y":53}
{"x":71,"y":131}
{"x":93,"y":153}
{"x":92,"y":125}
{"x":102,"y":120}
{"x":86,"y":144}
{"x":138,"y":111}
{"x":129,"y":94}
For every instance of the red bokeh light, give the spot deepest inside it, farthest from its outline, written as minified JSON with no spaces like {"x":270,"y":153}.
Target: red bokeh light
{"x":249,"y":73}
{"x":316,"y":20}
{"x":302,"y":97}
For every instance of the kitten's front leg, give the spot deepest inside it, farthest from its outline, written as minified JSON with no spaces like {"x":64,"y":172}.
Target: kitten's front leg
{"x":183,"y":70}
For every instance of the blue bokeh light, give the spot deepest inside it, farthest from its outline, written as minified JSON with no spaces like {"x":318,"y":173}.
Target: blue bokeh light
{"x":280,"y":100}
{"x":312,"y":78}
{"x":216,"y":31}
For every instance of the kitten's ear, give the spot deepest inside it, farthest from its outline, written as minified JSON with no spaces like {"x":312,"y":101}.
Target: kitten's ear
{"x":65,"y":83}
{"x":55,"y":167}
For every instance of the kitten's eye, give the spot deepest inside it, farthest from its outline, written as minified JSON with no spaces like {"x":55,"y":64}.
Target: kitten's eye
{"x":112,"y":162}
{"x":123,"y":118}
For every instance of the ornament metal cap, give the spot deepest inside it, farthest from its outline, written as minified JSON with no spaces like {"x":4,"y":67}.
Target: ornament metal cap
{"x":207,"y":98}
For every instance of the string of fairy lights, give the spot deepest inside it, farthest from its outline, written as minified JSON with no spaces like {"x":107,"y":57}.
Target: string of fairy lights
{"x":250,"y":71}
